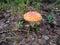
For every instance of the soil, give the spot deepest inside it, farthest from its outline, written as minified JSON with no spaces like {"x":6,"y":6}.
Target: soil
{"x":10,"y":34}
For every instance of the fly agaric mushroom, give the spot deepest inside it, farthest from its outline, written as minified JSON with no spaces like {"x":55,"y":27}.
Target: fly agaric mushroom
{"x":32,"y":16}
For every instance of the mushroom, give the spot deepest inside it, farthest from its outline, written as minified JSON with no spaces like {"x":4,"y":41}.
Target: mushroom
{"x":33,"y":17}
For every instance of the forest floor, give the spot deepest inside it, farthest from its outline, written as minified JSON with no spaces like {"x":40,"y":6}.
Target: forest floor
{"x":10,"y":34}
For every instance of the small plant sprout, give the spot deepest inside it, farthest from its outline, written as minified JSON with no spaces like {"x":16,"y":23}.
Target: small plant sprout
{"x":50,"y":18}
{"x":33,"y":17}
{"x":20,"y":24}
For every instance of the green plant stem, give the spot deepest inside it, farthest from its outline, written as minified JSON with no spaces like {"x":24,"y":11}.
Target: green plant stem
{"x":28,"y":33}
{"x":16,"y":37}
{"x":27,"y":4}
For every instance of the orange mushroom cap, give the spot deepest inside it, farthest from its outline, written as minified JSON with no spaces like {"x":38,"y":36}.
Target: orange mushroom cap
{"x":32,"y":16}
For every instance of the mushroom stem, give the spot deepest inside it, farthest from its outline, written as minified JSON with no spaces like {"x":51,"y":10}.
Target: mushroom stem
{"x":32,"y":24}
